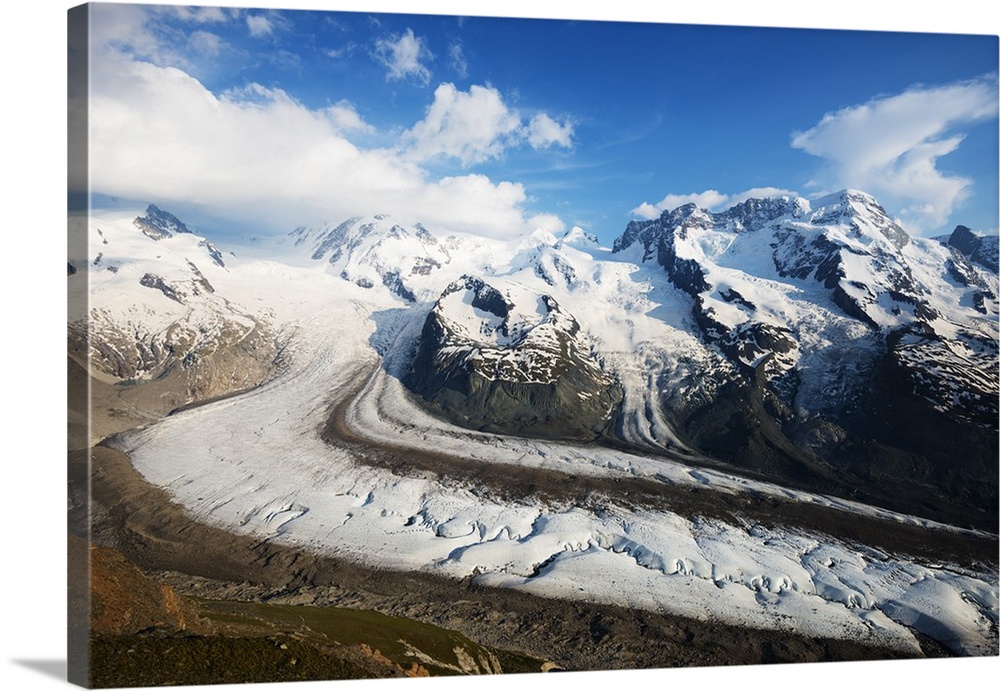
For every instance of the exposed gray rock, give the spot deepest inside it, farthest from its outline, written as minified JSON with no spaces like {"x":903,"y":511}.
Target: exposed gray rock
{"x":980,"y":249}
{"x":158,"y":224}
{"x":155,"y":282}
{"x":529,"y":379}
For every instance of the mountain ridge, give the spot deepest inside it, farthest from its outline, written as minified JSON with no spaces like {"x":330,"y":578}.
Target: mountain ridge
{"x":780,"y":337}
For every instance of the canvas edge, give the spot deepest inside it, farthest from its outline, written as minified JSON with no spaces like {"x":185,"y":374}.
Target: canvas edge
{"x":78,"y":394}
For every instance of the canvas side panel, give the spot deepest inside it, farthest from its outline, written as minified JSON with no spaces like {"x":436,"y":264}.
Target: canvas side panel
{"x":78,"y":388}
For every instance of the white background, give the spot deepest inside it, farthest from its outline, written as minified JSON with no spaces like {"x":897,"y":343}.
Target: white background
{"x":32,"y":285}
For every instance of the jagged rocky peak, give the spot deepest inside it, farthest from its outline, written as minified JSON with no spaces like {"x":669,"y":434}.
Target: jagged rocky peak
{"x":648,"y":232}
{"x":983,"y":250}
{"x":844,"y":241}
{"x":964,"y":240}
{"x":858,"y":213}
{"x":861,"y":213}
{"x":753,"y":214}
{"x":158,"y":224}
{"x":214,"y":252}
{"x":747,"y":216}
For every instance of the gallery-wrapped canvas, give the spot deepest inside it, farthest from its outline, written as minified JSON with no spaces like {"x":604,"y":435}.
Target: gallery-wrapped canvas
{"x":407,"y":345}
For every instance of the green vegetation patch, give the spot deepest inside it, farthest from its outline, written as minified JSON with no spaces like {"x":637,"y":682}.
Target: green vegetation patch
{"x":403,"y":641}
{"x":129,"y":661}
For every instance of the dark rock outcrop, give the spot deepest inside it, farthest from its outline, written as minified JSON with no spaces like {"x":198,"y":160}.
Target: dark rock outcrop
{"x":158,"y":224}
{"x":532,"y":379}
{"x":979,"y":249}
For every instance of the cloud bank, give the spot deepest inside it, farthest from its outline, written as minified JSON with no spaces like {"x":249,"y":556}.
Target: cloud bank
{"x":891,"y":146}
{"x":259,"y":155}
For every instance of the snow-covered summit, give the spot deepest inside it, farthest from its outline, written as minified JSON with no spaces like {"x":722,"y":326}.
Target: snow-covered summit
{"x":158,"y":307}
{"x":375,"y":250}
{"x":579,"y":238}
{"x":501,"y":355}
{"x":844,"y":242}
{"x":158,"y":224}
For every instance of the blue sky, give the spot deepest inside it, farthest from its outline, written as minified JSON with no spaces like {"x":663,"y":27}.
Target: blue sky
{"x":272,"y":119}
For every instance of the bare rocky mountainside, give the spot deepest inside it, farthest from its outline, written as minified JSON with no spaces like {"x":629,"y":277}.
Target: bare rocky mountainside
{"x":853,"y":358}
{"x":483,"y":364}
{"x":155,"y":315}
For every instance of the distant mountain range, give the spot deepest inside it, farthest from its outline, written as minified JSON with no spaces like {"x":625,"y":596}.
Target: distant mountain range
{"x":811,"y":342}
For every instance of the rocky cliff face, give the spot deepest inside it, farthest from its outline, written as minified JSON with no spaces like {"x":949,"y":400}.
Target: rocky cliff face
{"x":510,"y":360}
{"x":859,"y":356}
{"x":979,"y":249}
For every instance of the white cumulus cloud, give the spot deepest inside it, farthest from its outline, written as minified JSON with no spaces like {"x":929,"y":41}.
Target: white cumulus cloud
{"x":403,"y":56}
{"x":890,"y":147}
{"x":646,"y":211}
{"x":259,"y":25}
{"x":200,"y":15}
{"x":544,"y":132}
{"x":472,"y":126}
{"x":477,"y":125}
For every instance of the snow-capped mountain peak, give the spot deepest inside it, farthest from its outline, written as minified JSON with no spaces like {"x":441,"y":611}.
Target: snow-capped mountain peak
{"x":536,"y":238}
{"x":375,"y":250}
{"x":860,"y":214}
{"x":158,"y":224}
{"x":502,"y":355}
{"x":579,"y":238}
{"x":156,"y":309}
